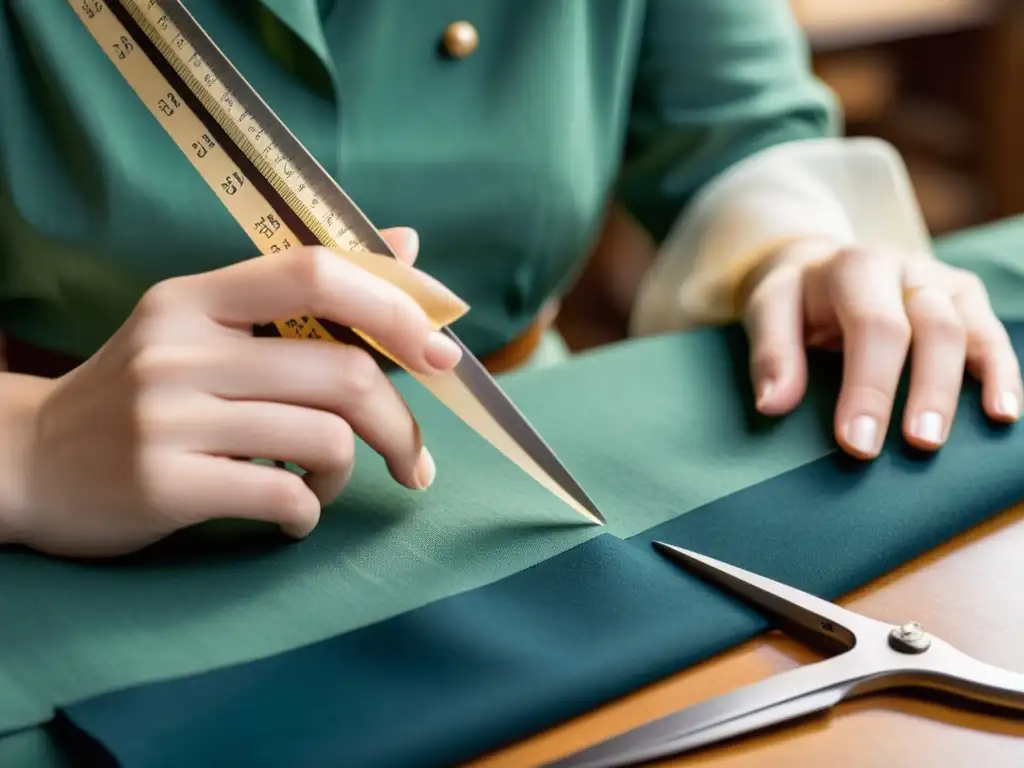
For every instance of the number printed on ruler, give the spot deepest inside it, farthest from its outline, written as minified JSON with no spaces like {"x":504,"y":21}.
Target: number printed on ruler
{"x":332,"y":230}
{"x":257,"y":217}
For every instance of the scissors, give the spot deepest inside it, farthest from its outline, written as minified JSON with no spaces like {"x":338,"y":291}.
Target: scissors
{"x":874,"y":656}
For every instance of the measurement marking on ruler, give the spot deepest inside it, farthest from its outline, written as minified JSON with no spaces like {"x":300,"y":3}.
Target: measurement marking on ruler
{"x":244,"y":129}
{"x":236,"y":189}
{"x":279,"y":194}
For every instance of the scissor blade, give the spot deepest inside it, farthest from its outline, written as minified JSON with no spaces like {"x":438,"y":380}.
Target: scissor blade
{"x":473,"y":395}
{"x":822,"y":620}
{"x":802,"y":692}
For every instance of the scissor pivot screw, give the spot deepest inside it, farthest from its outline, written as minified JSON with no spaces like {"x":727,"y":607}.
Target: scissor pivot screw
{"x":909,"y":638}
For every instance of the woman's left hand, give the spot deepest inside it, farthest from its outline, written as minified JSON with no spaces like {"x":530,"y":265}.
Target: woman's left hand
{"x":882,"y":310}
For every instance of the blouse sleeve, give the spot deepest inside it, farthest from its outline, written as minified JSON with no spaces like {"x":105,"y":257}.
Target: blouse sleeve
{"x":850,"y":191}
{"x":733,"y":148}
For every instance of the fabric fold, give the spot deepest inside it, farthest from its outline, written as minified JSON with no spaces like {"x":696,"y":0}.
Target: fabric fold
{"x":468,"y":674}
{"x":543,"y":621}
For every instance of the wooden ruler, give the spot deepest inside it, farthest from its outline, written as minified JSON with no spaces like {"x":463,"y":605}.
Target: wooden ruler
{"x":282,"y":198}
{"x":269,"y":184}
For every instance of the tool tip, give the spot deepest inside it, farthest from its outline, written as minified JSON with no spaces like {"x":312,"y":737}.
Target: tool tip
{"x":668,"y":549}
{"x":583,"y":504}
{"x":678,"y":554}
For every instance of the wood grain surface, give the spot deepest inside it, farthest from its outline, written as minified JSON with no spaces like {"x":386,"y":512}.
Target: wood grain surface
{"x":970,"y":592}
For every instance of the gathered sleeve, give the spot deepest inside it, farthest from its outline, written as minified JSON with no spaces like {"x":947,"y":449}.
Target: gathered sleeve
{"x":734,"y":148}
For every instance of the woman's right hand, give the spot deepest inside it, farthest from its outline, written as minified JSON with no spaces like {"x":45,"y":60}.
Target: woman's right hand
{"x":138,"y":441}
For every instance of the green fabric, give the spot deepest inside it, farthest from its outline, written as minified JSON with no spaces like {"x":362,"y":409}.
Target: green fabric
{"x":462,"y":676}
{"x":503,"y":161}
{"x":214,"y":596}
{"x":96,"y":204}
{"x":650,"y":427}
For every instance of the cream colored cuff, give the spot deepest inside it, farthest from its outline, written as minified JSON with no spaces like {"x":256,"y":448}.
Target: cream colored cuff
{"x":850,"y":190}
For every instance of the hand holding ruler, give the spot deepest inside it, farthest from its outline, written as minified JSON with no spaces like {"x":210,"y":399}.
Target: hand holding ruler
{"x":278,"y":193}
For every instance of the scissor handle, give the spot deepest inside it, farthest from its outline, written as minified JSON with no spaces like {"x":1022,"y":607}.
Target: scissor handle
{"x":952,"y":671}
{"x":794,"y":694}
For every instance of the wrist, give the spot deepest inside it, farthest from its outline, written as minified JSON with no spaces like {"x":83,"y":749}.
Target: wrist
{"x":793,"y":253}
{"x":20,"y":399}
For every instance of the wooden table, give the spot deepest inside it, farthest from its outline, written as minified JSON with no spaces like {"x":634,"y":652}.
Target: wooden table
{"x":970,"y":592}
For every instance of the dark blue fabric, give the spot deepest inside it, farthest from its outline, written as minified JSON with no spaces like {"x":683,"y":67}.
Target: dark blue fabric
{"x":468,"y":674}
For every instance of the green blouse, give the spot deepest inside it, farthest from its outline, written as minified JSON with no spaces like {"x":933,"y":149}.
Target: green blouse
{"x":503,"y":160}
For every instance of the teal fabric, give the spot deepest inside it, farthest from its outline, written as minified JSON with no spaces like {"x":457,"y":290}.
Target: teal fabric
{"x":463,"y":676}
{"x":665,"y":438}
{"x":650,"y":428}
{"x":35,"y":748}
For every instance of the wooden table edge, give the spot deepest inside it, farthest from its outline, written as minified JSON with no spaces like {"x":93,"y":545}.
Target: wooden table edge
{"x":947,"y":589}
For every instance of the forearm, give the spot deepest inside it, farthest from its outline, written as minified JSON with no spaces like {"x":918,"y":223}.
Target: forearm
{"x":20,"y":398}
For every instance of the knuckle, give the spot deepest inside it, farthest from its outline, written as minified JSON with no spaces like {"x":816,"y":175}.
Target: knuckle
{"x":988,"y":336}
{"x":972,"y":284}
{"x":337,"y":442}
{"x":360,"y":372}
{"x":162,"y":298}
{"x":871,"y":397}
{"x":892,"y":326}
{"x":159,"y":491}
{"x":935,"y":396}
{"x":306,"y":268}
{"x":766,"y":362}
{"x":852,"y":258}
{"x":405,"y":318}
{"x":757,"y":303}
{"x":941,"y":327}
{"x":286,"y":496}
{"x":151,"y":366}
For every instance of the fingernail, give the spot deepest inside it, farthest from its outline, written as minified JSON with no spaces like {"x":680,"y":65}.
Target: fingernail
{"x":1008,"y":405}
{"x":862,"y":434}
{"x":764,"y":391}
{"x":426,"y":469}
{"x":927,"y":426}
{"x":441,"y":351}
{"x":411,"y":241}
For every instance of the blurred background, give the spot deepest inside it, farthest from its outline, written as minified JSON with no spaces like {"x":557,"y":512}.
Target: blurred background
{"x":943,"y":80}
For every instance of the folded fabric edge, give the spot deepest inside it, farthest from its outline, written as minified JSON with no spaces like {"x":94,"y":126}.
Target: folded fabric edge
{"x":41,"y":702}
{"x":853,"y":529}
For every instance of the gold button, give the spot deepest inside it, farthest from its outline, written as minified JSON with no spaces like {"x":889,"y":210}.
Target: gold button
{"x":460,"y":39}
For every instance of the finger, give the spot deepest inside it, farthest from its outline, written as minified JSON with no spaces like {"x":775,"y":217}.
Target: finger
{"x":937,"y":361}
{"x":866,"y":291}
{"x":405,"y":241}
{"x":990,"y":354}
{"x":326,"y":450}
{"x":774,"y":322}
{"x":314,"y":440}
{"x":317,"y":282}
{"x":218,"y":487}
{"x":335,"y":379}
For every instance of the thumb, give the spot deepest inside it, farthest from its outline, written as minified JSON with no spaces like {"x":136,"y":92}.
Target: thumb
{"x":774,"y":322}
{"x":405,"y":241}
